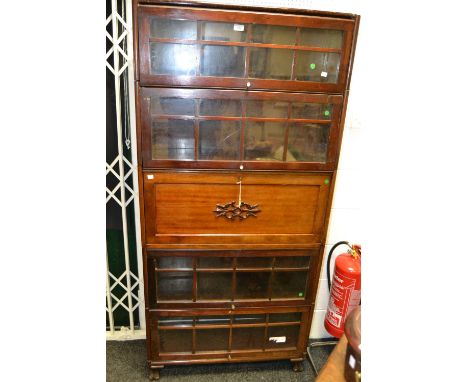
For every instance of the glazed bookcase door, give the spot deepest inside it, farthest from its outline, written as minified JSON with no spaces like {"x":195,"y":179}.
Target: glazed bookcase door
{"x":180,"y":47}
{"x":194,"y":279}
{"x":228,"y":334}
{"x":198,"y":128}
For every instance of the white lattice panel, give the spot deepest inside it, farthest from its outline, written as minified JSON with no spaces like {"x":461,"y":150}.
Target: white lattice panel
{"x":119,"y":61}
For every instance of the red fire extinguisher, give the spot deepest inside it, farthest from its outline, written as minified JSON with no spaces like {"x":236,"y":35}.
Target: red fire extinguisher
{"x":345,"y":289}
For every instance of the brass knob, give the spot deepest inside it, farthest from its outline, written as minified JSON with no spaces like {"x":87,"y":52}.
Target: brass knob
{"x":248,"y":84}
{"x":233,"y":306}
{"x":241,"y":167}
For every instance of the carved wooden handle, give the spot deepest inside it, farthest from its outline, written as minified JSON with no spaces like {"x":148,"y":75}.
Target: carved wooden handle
{"x":232,"y":210}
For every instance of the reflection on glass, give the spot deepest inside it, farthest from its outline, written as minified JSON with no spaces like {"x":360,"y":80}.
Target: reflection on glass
{"x":273,"y":34}
{"x":317,"y":66}
{"x":168,"y":28}
{"x":219,"y":140}
{"x":174,"y":285}
{"x":173,"y":59}
{"x":247,"y":338}
{"x":172,"y":106}
{"x":285,"y":317}
{"x":323,"y":38}
{"x":214,"y":286}
{"x":174,"y":262}
{"x":222,"y":61}
{"x":215,"y":31}
{"x":175,"y":341}
{"x":291,"y":332}
{"x":175,"y":321}
{"x":211,"y":320}
{"x":311,"y":110}
{"x":289,"y":285}
{"x":172,"y":139}
{"x":249,"y":318}
{"x":211,"y":339}
{"x":251,"y":285}
{"x":292,"y":262}
{"x":266,"y":109}
{"x":308,"y":142}
{"x":270,"y":63}
{"x":215,"y":262}
{"x":254,"y":262}
{"x":264,"y":140}
{"x":221,"y":107}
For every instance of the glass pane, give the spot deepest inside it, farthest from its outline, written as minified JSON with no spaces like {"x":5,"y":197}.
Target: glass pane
{"x":223,"y":31}
{"x":264,"y":140}
{"x":211,"y":320}
{"x":174,"y":285}
{"x":270,"y":63}
{"x":292,"y":262}
{"x":175,"y":341}
{"x":311,"y":111}
{"x":289,"y":285}
{"x":174,"y":262}
{"x":308,"y":142}
{"x":222,"y":107}
{"x":214,"y":285}
{"x":285,"y":317}
{"x":317,"y":66}
{"x":215,"y":262}
{"x":173,"y":59}
{"x":249,"y":318}
{"x":173,"y":139}
{"x":167,"y":28}
{"x":251,"y":285}
{"x":267,"y":109}
{"x":282,"y":336}
{"x":222,"y":61}
{"x":172,"y":106}
{"x":175,"y":321}
{"x":211,"y":339}
{"x":219,"y":140}
{"x":247,"y":338}
{"x":323,"y":38}
{"x":273,"y":34}
{"x":254,"y":262}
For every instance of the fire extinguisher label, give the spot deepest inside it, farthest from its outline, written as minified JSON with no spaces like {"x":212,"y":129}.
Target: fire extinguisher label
{"x":343,"y":298}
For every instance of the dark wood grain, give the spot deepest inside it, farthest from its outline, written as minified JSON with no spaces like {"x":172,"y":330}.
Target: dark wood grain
{"x":296,"y":197}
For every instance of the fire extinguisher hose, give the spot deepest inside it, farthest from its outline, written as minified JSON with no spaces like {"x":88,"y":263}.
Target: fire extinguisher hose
{"x":329,"y":259}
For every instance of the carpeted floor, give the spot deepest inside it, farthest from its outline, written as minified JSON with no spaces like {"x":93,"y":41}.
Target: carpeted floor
{"x":126,"y":362}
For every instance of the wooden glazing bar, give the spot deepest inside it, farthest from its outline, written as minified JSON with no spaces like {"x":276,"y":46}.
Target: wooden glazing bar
{"x":293,"y":66}
{"x":243,"y":44}
{"x":286,"y":134}
{"x":195,"y":279}
{"x":253,"y":119}
{"x":197,"y":127}
{"x":234,"y":279}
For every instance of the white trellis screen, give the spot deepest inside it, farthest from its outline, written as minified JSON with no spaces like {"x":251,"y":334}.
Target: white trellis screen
{"x":125,"y":317}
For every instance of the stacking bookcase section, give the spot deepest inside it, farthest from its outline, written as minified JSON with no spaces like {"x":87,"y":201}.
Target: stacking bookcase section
{"x":231,"y":279}
{"x":193,"y":128}
{"x":204,"y":208}
{"x":224,"y":48}
{"x":226,"y":335}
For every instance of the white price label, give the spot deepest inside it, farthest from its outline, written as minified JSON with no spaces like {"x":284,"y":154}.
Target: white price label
{"x":150,"y":176}
{"x":278,"y":340}
{"x":352,"y":361}
{"x":238,"y":27}
{"x":324,"y":74}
